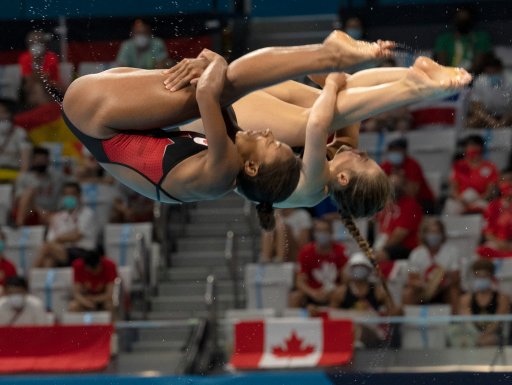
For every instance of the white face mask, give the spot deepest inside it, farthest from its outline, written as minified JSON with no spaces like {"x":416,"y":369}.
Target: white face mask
{"x":359,"y":273}
{"x":16,"y":301}
{"x":481,"y":284}
{"x":37,"y":49}
{"x":322,"y":238}
{"x":141,"y":41}
{"x":5,"y":126}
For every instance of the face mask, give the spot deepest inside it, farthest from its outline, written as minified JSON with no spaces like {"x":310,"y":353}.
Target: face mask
{"x":322,"y":238}
{"x":495,"y":80}
{"x":2,"y":246}
{"x":359,"y":273}
{"x":39,"y":168}
{"x":395,"y":158}
{"x":16,"y":300}
{"x":37,"y":49}
{"x":473,"y":153}
{"x":481,"y":284}
{"x":5,"y":126}
{"x":433,"y":239}
{"x":69,"y":202}
{"x":354,"y":33}
{"x":141,"y":41}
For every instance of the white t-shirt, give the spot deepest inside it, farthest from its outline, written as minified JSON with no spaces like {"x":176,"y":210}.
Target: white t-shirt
{"x":496,"y":100}
{"x":447,"y":257}
{"x":33,"y":312}
{"x":81,"y":219}
{"x":298,"y":220}
{"x":12,"y":144}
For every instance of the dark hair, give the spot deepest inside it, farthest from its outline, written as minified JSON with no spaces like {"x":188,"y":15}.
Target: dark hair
{"x":400,"y":143}
{"x":364,"y":195}
{"x":40,"y":151}
{"x":483,"y":264}
{"x":91,"y":258}
{"x":273,"y":183}
{"x":16,"y":281}
{"x":475,"y":140}
{"x":492,"y":61}
{"x":74,"y":185}
{"x":9,"y":104}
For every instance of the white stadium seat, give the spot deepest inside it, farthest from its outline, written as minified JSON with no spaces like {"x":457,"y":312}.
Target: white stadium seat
{"x":121,"y":241}
{"x":464,"y":231}
{"x":54,"y":287}
{"x":433,"y":336}
{"x":22,"y":245}
{"x":86,"y":318}
{"x":5,"y":202}
{"x":10,"y":81}
{"x":268,"y":285}
{"x":99,"y":198}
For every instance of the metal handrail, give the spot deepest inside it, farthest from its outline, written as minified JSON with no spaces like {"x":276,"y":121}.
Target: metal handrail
{"x":247,"y":210}
{"x":143,"y":258}
{"x":231,"y":257}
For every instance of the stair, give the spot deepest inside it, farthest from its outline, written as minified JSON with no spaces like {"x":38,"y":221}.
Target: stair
{"x":200,"y":252}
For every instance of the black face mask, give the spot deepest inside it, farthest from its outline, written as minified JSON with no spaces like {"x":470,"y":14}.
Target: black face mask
{"x":39,"y":168}
{"x":463,"y":26}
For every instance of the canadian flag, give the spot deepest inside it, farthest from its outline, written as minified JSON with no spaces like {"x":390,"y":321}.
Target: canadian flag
{"x":292,"y":342}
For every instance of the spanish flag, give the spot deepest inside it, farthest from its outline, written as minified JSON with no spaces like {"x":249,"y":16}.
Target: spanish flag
{"x":44,"y":125}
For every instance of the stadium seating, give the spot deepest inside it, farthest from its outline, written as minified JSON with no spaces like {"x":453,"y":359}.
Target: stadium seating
{"x":22,"y":246}
{"x":268,"y":285}
{"x":53,"y":287}
{"x":6,"y":191}
{"x":86,"y":318}
{"x":10,"y":81}
{"x":417,"y":336}
{"x":99,"y":198}
{"x":497,"y":144}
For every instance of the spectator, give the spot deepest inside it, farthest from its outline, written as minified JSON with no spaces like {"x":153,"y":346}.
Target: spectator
{"x":352,"y":25}
{"x":398,"y":224}
{"x":90,"y":171}
{"x":485,"y":299}
{"x":473,"y":180}
{"x":14,"y":144}
{"x":465,"y":47}
{"x":7,"y":268}
{"x":292,"y":233}
{"x":18,"y":308}
{"x":72,"y":231}
{"x":130,"y":207}
{"x":359,"y":294}
{"x":498,"y":217}
{"x":491,"y":97}
{"x":93,"y":277}
{"x":416,"y":186}
{"x":38,"y":61}
{"x":37,"y":191}
{"x":142,"y":50}
{"x":321,"y":264}
{"x":434,"y":269}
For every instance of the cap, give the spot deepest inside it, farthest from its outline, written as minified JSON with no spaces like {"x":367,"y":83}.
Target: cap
{"x":360,"y":259}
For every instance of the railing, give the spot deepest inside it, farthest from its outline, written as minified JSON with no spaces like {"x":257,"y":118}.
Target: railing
{"x":231,"y":257}
{"x":254,"y":230}
{"x":143,"y":265}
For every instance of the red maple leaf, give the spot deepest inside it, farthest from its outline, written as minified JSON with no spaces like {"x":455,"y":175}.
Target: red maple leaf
{"x":293,"y":347}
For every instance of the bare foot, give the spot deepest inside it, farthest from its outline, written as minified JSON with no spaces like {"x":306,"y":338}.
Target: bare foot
{"x":428,"y":88}
{"x":449,"y":77}
{"x":351,"y":52}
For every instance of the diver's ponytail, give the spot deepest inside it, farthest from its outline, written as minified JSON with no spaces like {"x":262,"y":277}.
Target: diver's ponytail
{"x":266,"y":216}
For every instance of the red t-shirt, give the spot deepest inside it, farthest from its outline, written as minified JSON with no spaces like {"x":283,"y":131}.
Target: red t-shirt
{"x":405,"y":213}
{"x":50,"y":65}
{"x":498,"y":220}
{"x":7,"y":269}
{"x":95,"y":283}
{"x":477,"y":178}
{"x":412,"y":172}
{"x":322,"y":270}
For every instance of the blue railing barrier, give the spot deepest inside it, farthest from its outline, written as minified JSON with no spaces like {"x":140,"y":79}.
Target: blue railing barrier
{"x":273,"y":378}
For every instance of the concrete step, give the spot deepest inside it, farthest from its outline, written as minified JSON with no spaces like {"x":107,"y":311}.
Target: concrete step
{"x":164,"y":346}
{"x":213,"y":243}
{"x":164,"y":362}
{"x":196,"y":288}
{"x":229,"y":201}
{"x":179,"y":334}
{"x":208,"y":259}
{"x":199,"y":273}
{"x":217,"y":229}
{"x":188,"y":303}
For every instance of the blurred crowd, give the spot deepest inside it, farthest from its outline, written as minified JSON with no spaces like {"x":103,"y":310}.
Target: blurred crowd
{"x":51,"y":183}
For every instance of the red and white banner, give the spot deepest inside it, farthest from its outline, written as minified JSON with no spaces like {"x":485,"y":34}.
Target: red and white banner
{"x":54,"y":348}
{"x":292,"y":342}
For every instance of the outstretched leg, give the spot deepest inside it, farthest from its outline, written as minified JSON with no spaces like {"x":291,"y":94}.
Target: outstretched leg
{"x":122,"y":99}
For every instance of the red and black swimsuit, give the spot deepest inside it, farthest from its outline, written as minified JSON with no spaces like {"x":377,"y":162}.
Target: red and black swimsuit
{"x":152,"y":154}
